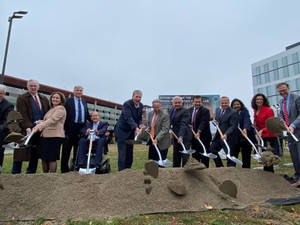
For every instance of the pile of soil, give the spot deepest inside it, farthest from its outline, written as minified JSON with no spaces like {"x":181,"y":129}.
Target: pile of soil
{"x":71,"y":195}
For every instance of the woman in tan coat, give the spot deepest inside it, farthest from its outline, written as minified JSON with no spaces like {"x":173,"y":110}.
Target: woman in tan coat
{"x":52,"y":128}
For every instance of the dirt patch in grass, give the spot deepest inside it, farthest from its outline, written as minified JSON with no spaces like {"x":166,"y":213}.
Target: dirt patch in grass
{"x":71,"y":195}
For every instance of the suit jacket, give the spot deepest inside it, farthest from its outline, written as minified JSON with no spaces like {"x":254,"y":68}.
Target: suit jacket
{"x":24,"y":106}
{"x":180,"y":124}
{"x":201,"y":123}
{"x":161,"y":129}
{"x":260,"y":120}
{"x":130,"y":119}
{"x":5,"y":108}
{"x":228,"y":123}
{"x":293,"y":112}
{"x":53,"y":123}
{"x":102,"y":128}
{"x":71,"y":113}
{"x":245,"y":123}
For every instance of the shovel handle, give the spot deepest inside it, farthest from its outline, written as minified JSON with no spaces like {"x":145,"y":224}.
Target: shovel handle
{"x":193,"y":131}
{"x":172,"y":132}
{"x":288,"y":130}
{"x":218,"y":128}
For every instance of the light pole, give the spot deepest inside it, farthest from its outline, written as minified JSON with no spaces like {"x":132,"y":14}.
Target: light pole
{"x":10,"y":19}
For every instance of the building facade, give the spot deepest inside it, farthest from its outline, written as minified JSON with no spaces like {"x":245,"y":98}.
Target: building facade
{"x":282,"y":67}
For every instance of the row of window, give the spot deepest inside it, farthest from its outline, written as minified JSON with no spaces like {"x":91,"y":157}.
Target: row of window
{"x":272,"y":75}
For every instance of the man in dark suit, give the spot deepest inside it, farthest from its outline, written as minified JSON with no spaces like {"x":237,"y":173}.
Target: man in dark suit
{"x":227,"y":119}
{"x":5,"y":108}
{"x":77,"y":115}
{"x":199,"y":118}
{"x":290,"y":114}
{"x":100,"y":138}
{"x":180,"y":120}
{"x":128,"y":125}
{"x":32,"y":106}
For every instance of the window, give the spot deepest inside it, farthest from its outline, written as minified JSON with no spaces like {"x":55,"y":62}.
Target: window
{"x":260,"y":90}
{"x":257,"y":70}
{"x":298,"y":84}
{"x":278,"y":99}
{"x":258,"y":79}
{"x":275,"y":68}
{"x":269,"y":90}
{"x":267,"y":73}
{"x":295,"y":60}
{"x":272,"y":100}
{"x":285,"y":66}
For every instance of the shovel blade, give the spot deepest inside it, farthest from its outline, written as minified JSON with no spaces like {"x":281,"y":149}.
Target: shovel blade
{"x":256,"y":157}
{"x":234,"y":159}
{"x":209,"y":155}
{"x":190,"y":151}
{"x":87,"y":171}
{"x":164,"y":163}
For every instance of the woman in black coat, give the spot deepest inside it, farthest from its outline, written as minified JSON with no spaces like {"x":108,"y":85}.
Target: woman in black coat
{"x":245,"y":124}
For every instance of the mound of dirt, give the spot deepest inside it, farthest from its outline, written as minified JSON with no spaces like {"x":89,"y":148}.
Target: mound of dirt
{"x":123,"y":194}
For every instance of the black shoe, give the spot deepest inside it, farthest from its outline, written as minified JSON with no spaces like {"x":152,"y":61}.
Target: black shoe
{"x":98,"y":170}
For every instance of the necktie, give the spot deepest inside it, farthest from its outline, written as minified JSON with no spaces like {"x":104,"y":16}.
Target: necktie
{"x":285,"y":113}
{"x":222,"y":113}
{"x":153,"y":125}
{"x":37,"y":102}
{"x":174,"y":114}
{"x":79,"y":111}
{"x":194,"y":118}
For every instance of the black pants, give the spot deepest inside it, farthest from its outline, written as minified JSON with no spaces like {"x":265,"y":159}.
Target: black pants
{"x":198,"y":147}
{"x":152,"y":154}
{"x":70,"y":141}
{"x":245,"y":148}
{"x":179,"y":159}
{"x":216,"y":145}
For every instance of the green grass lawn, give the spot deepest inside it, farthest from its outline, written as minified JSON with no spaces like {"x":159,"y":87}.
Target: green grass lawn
{"x":139,"y":159}
{"x":216,"y":217}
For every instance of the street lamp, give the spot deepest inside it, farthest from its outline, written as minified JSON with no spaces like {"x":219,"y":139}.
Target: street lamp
{"x":10,"y":20}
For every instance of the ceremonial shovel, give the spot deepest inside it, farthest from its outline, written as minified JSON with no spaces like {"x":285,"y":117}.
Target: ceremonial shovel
{"x":28,"y":137}
{"x":260,"y":139}
{"x":88,"y":170}
{"x":256,"y":156}
{"x":232,"y":158}
{"x":160,"y":162}
{"x":291,"y":133}
{"x":190,"y":151}
{"x":209,"y":155}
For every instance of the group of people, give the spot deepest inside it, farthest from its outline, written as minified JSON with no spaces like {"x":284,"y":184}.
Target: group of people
{"x":56,"y":124}
{"x":185,"y":126}
{"x":59,"y":122}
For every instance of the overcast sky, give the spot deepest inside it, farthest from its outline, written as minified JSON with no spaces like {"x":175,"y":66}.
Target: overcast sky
{"x":112,"y":47}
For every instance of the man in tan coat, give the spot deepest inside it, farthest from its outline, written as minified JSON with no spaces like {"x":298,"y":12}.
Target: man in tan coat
{"x":32,"y":106}
{"x":159,"y":125}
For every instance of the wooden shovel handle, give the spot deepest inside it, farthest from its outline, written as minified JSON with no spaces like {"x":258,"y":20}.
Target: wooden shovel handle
{"x":243,"y":132}
{"x":172,"y":132}
{"x":193,"y":131}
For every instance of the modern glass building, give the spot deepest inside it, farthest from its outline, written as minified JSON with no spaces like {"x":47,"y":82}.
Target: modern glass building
{"x":283,"y":67}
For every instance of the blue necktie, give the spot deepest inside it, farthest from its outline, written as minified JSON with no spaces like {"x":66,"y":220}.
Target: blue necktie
{"x":79,"y":111}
